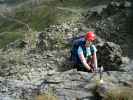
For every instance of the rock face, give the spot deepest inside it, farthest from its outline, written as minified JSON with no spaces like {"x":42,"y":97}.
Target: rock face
{"x":57,"y":36}
{"x":113,"y":24}
{"x":26,"y":74}
{"x":64,"y":85}
{"x":38,"y":71}
{"x":109,"y":56}
{"x":16,"y":90}
{"x":24,"y":66}
{"x":70,"y":85}
{"x":17,"y":44}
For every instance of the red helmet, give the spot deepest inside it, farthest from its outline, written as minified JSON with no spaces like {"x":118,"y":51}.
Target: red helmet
{"x":90,"y":36}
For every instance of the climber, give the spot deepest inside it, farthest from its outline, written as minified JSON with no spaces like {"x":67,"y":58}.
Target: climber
{"x":83,"y":53}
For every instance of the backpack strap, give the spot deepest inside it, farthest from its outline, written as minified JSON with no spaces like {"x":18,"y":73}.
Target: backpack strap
{"x":82,"y":44}
{"x":92,"y":49}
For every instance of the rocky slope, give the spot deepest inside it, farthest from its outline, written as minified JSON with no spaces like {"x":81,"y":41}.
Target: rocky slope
{"x":30,"y":70}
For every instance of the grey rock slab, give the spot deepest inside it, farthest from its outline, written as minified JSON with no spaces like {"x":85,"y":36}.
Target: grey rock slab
{"x":71,"y":93}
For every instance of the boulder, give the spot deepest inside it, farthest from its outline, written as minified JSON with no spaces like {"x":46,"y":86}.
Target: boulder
{"x":16,"y":44}
{"x":16,"y":90}
{"x":115,"y":7}
{"x":6,"y":97}
{"x":109,"y":56}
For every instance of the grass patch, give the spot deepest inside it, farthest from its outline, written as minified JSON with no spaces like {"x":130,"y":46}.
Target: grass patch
{"x":69,"y":3}
{"x":40,"y":16}
{"x":37,"y":18}
{"x":60,"y":42}
{"x":46,"y":97}
{"x":10,"y":25}
{"x":13,"y":1}
{"x":123,"y":93}
{"x":8,"y":37}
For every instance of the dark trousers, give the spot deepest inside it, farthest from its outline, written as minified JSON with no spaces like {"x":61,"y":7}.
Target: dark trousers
{"x":80,"y":67}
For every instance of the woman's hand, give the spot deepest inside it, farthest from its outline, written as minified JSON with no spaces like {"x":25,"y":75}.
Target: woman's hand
{"x":90,"y":68}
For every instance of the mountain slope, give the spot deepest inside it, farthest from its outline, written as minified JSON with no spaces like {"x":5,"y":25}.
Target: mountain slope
{"x":41,"y":14}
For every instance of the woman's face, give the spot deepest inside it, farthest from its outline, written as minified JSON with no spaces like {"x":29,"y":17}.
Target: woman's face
{"x":88,"y":43}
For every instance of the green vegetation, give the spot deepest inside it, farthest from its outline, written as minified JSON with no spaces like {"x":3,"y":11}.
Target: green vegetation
{"x":59,"y":41}
{"x":120,"y":94}
{"x":11,"y":25}
{"x":48,"y":95}
{"x":12,"y":1}
{"x":37,"y":17}
{"x":75,"y":3}
{"x":40,"y":16}
{"x":69,"y":3}
{"x":7,"y":37}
